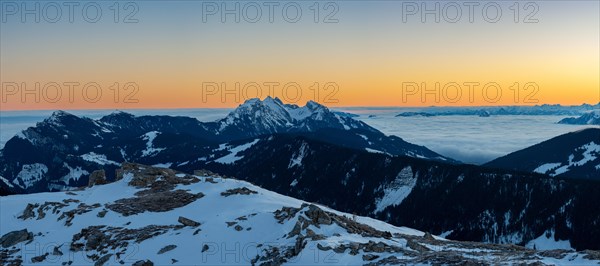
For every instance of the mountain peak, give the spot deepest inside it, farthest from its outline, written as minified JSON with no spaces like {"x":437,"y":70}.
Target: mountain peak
{"x":58,"y":117}
{"x":60,"y":113}
{"x":271,"y":115}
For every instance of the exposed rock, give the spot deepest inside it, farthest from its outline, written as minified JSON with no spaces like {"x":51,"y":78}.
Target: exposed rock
{"x":39,"y":258}
{"x":369,"y":257}
{"x":102,"y":213}
{"x":323,"y":248}
{"x":204,"y":172}
{"x":154,"y":202}
{"x":318,"y":216}
{"x":592,"y":254}
{"x":428,"y":236}
{"x":238,"y":191}
{"x":285,"y":213}
{"x":102,"y":238}
{"x":156,"y":177}
{"x":204,"y":248}
{"x":188,"y":222}
{"x":28,"y":212}
{"x":56,"y":251}
{"x":416,"y":246}
{"x":81,"y":209}
{"x":210,"y":180}
{"x":556,"y":254}
{"x":97,"y":177}
{"x":230,"y":224}
{"x":56,"y":207}
{"x":166,"y":249}
{"x":143,"y":263}
{"x":15,"y":237}
{"x":102,"y":260}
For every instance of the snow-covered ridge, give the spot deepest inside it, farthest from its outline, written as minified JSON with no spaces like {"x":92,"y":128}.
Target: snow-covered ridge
{"x":588,"y":153}
{"x":164,"y":217}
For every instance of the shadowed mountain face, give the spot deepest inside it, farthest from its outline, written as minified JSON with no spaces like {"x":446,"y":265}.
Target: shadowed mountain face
{"x":316,"y":155}
{"x":575,"y":154}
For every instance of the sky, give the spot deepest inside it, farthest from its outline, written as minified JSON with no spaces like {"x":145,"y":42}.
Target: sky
{"x":192,"y":54}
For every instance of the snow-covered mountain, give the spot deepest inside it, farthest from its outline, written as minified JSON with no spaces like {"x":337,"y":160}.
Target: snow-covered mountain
{"x":62,"y":150}
{"x":256,"y":117}
{"x":157,"y":216}
{"x":576,"y":154}
{"x":591,"y":118}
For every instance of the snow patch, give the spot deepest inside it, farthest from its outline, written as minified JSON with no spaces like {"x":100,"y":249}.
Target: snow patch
{"x":30,"y":174}
{"x":233,"y":155}
{"x":590,"y":152}
{"x":97,"y":158}
{"x":398,"y":190}
{"x":150,"y":149}
{"x":74,"y":174}
{"x":374,"y":151}
{"x":5,"y":181}
{"x":297,"y":158}
{"x":547,"y":242}
{"x":163,"y":165}
{"x":544,"y":168}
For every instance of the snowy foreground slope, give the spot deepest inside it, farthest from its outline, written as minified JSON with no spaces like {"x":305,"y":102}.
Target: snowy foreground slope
{"x":156,"y":216}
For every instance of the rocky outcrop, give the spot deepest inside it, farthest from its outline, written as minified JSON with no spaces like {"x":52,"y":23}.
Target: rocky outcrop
{"x":159,"y":195}
{"x":97,"y":177}
{"x":154,"y":202}
{"x":102,"y":238}
{"x":238,"y":191}
{"x":12,"y":238}
{"x":154,"y":177}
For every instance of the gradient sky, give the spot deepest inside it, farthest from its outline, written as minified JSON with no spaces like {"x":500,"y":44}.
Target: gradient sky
{"x":369,"y":53}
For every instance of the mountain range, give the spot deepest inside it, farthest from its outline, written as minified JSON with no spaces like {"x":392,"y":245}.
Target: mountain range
{"x":544,"y":109}
{"x":316,"y":155}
